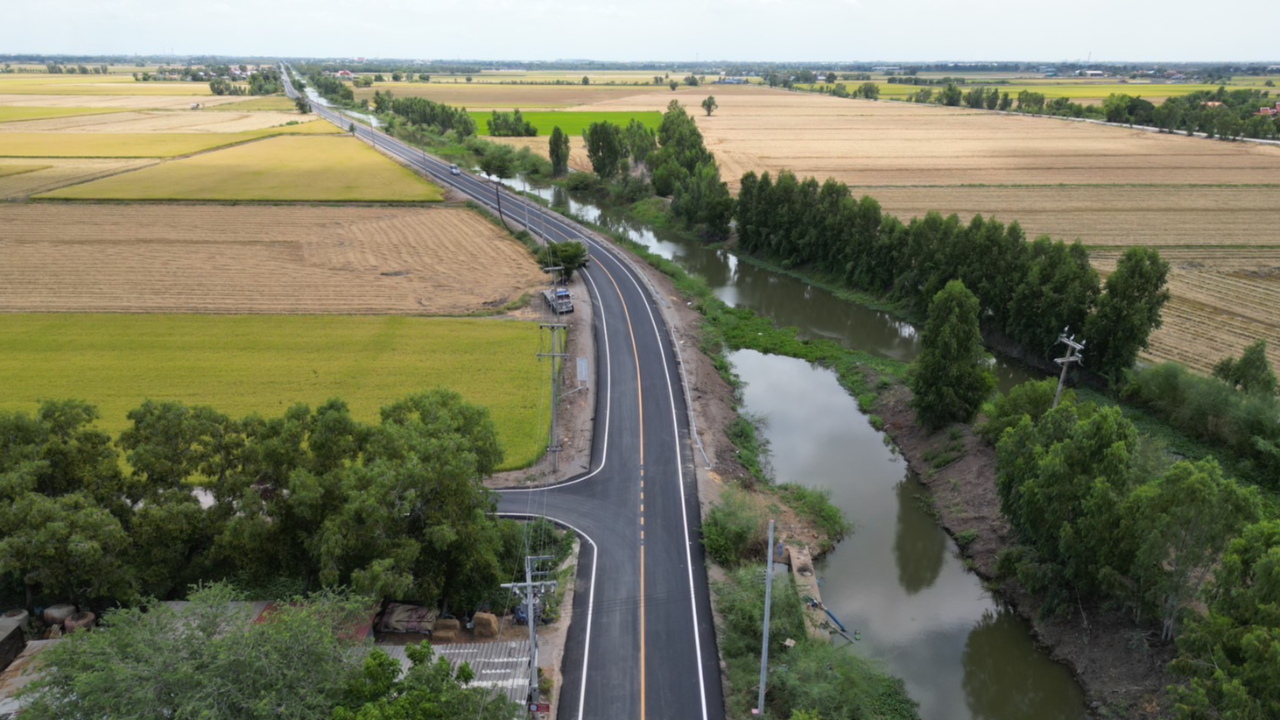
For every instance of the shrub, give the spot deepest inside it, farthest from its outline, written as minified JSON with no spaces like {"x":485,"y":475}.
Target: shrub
{"x":1031,"y":399}
{"x":815,"y":505}
{"x":735,"y":530}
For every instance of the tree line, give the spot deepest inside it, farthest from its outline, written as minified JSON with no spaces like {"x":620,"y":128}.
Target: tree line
{"x":443,"y":118}
{"x":512,"y":124}
{"x":1102,"y":517}
{"x":213,"y":659}
{"x":1027,"y":291}
{"x":310,"y":499}
{"x":1221,"y":113}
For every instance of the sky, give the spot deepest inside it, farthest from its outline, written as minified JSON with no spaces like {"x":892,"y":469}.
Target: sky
{"x":770,"y":30}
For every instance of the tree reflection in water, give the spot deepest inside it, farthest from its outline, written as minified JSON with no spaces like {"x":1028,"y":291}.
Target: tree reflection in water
{"x":1007,"y":678}
{"x":919,"y":546}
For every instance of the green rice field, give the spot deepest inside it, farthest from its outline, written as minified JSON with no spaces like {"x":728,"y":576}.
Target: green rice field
{"x":572,"y":123}
{"x":245,"y":364}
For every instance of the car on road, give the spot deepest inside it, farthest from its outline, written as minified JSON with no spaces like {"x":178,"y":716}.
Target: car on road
{"x":453,"y":170}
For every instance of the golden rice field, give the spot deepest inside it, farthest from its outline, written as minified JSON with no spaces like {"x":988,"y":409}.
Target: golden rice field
{"x":19,"y":114}
{"x":116,"y":102}
{"x":7,"y":170}
{"x":258,"y":260}
{"x":241,"y":365}
{"x":163,"y":121}
{"x":30,"y":84}
{"x":51,"y":173}
{"x":285,"y":168}
{"x":141,"y":144}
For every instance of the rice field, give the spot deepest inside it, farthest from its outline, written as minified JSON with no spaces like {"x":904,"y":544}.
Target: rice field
{"x":573,"y":123}
{"x":139,"y":145}
{"x":242,"y":365}
{"x":164,"y":121}
{"x":96,"y":85}
{"x":279,"y":169}
{"x":52,"y":173}
{"x":20,"y":114}
{"x":277,"y":103}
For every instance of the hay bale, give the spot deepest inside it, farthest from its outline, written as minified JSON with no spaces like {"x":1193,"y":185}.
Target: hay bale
{"x":446,"y":630}
{"x":486,"y":625}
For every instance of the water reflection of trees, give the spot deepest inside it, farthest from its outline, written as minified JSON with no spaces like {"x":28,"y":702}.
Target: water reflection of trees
{"x":1007,"y":678}
{"x":919,"y":547}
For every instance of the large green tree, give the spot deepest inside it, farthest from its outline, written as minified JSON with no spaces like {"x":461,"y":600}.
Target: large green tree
{"x":1231,"y":653}
{"x":1183,"y":521}
{"x":559,"y":152}
{"x":952,"y":377}
{"x":1252,"y":373}
{"x":428,"y":691}
{"x":208,"y":659}
{"x":570,"y":255}
{"x":1128,"y":312}
{"x":605,"y":149}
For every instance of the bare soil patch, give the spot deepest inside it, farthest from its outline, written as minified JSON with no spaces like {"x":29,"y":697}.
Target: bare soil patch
{"x":164,"y":122}
{"x":223,"y":259}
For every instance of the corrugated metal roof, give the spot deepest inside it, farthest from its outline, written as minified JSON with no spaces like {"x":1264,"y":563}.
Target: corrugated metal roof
{"x":502,"y":665}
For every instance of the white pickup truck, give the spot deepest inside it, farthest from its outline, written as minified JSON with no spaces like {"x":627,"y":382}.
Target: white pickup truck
{"x":558,"y":300}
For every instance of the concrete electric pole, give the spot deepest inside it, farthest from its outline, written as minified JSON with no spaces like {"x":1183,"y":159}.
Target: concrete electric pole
{"x":529,"y":591}
{"x":1075,"y":354}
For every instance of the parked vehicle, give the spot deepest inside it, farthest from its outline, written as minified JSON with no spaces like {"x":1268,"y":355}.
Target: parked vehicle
{"x":558,"y":300}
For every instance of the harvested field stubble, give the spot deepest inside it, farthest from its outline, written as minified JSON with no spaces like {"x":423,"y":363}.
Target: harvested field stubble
{"x":220,"y":259}
{"x":481,"y":96}
{"x":1108,"y":215}
{"x":281,"y":169}
{"x":257,"y":364}
{"x":1222,"y":300}
{"x":573,"y":123}
{"x":1108,"y":186}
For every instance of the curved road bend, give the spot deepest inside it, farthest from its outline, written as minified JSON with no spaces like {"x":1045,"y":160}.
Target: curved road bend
{"x":641,"y":644}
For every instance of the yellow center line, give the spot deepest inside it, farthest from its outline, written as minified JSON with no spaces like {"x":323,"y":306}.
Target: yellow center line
{"x":635,"y":352}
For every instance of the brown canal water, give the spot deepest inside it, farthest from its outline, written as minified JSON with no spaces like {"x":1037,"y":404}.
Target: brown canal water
{"x":898,"y":578}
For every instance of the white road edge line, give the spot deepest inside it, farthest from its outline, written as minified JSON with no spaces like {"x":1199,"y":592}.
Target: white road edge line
{"x":591,"y":604}
{"x":684,"y":511}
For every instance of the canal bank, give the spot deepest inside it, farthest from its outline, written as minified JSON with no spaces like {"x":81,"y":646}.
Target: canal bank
{"x":898,"y":580}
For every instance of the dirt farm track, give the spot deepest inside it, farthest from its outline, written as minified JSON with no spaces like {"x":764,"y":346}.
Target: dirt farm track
{"x":226,"y":259}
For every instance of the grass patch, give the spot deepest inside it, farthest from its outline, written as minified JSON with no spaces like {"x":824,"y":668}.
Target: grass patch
{"x":141,"y":145}
{"x":322,"y":169}
{"x":242,"y":364}
{"x":7,"y":170}
{"x":18,"y":114}
{"x":815,"y":505}
{"x":813,"y":675}
{"x":571,"y":123}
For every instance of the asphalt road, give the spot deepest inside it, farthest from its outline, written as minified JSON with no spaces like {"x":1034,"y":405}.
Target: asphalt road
{"x":641,"y":644}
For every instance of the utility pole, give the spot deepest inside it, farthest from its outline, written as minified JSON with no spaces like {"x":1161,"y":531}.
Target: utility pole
{"x":529,"y":591}
{"x":557,"y":357}
{"x":768,"y":606}
{"x":1074,"y":355}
